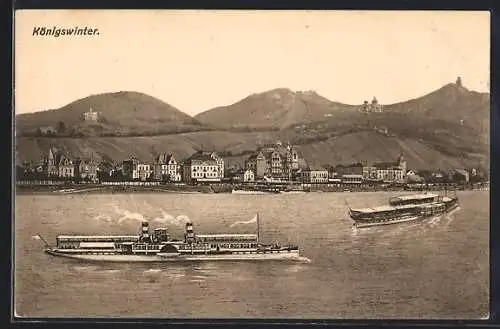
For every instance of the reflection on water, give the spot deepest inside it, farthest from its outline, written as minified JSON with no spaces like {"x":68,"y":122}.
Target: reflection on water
{"x":438,"y":268}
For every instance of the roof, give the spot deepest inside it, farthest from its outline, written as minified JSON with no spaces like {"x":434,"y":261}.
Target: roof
{"x":163,"y":158}
{"x":375,"y":209}
{"x":82,"y":237}
{"x":226,"y":235}
{"x":65,"y":161}
{"x":358,"y":164}
{"x":462,"y":171}
{"x":386,"y":165}
{"x":389,"y":208}
{"x":317,"y":168}
{"x":199,"y":156}
{"x":414,"y":197}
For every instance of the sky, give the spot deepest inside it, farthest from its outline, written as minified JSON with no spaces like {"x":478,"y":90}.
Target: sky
{"x":198,"y":60}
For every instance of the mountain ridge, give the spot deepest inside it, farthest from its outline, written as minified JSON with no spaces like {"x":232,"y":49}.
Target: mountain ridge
{"x":120,"y":113}
{"x":443,"y":122}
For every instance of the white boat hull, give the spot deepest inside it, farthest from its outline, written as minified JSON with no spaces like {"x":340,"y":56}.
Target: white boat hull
{"x":403,"y":220}
{"x":249,"y":192}
{"x":282,"y":255}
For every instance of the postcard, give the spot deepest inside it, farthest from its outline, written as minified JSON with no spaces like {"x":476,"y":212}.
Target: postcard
{"x":201,"y":164}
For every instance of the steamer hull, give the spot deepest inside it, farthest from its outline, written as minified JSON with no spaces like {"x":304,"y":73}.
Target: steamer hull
{"x":160,"y":258}
{"x":158,"y":247}
{"x":404,"y":209}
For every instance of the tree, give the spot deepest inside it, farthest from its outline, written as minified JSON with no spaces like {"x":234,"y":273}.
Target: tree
{"x":165,"y":178}
{"x":61,"y":127}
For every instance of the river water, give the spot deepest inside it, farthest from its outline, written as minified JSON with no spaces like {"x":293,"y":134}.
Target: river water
{"x":436,"y":269}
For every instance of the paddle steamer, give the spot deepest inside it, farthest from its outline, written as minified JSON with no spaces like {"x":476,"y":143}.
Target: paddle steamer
{"x":159,"y":247}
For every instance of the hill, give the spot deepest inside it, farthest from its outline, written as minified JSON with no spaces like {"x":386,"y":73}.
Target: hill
{"x":445,"y":128}
{"x":452,"y":103}
{"x":120,"y":113}
{"x":363,"y":145}
{"x":280,"y":109}
{"x":274,"y":109}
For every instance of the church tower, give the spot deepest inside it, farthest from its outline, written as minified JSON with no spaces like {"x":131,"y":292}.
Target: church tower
{"x":402,"y":164}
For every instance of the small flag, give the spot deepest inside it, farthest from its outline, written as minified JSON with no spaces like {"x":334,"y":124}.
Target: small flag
{"x":251,"y":221}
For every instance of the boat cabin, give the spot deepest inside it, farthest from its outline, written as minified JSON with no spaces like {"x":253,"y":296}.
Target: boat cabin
{"x":228,"y":241}
{"x":384,"y":212}
{"x":432,"y":209}
{"x":413,"y":199}
{"x":92,"y":241}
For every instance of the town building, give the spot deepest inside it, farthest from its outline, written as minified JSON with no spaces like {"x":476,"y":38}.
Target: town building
{"x":52,"y":162}
{"x":391,"y":171}
{"x":437,"y":176}
{"x":47,"y":130}
{"x":258,"y":164}
{"x":333,"y":177}
{"x":237,"y":175}
{"x":315,"y":175}
{"x":410,"y":173}
{"x":352,"y":179}
{"x":130,"y":168}
{"x":274,"y":161}
{"x":107,"y":169}
{"x":165,"y":167}
{"x":201,"y":167}
{"x":220,"y":163}
{"x":248,"y":176}
{"x":369,"y":173}
{"x":413,"y":177}
{"x":351,"y":169}
{"x":66,"y":167}
{"x":87,"y":168}
{"x":91,"y":115}
{"x":144,"y":171}
{"x":459,"y":175}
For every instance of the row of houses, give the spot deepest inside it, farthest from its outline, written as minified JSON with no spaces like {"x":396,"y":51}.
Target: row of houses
{"x":284,"y":163}
{"x":270,"y":163}
{"x":201,"y":167}
{"x":276,"y":161}
{"x":356,"y":173}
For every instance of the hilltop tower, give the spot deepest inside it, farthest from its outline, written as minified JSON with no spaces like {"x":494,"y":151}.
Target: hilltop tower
{"x":91,"y":115}
{"x":375,"y":106}
{"x":459,"y":82}
{"x":365,"y":107}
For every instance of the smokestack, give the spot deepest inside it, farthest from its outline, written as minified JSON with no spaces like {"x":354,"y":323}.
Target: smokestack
{"x":145,"y":230}
{"x":189,"y":236}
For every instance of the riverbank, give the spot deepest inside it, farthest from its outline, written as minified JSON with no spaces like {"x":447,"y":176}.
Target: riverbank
{"x":206,"y":189}
{"x":107,"y":189}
